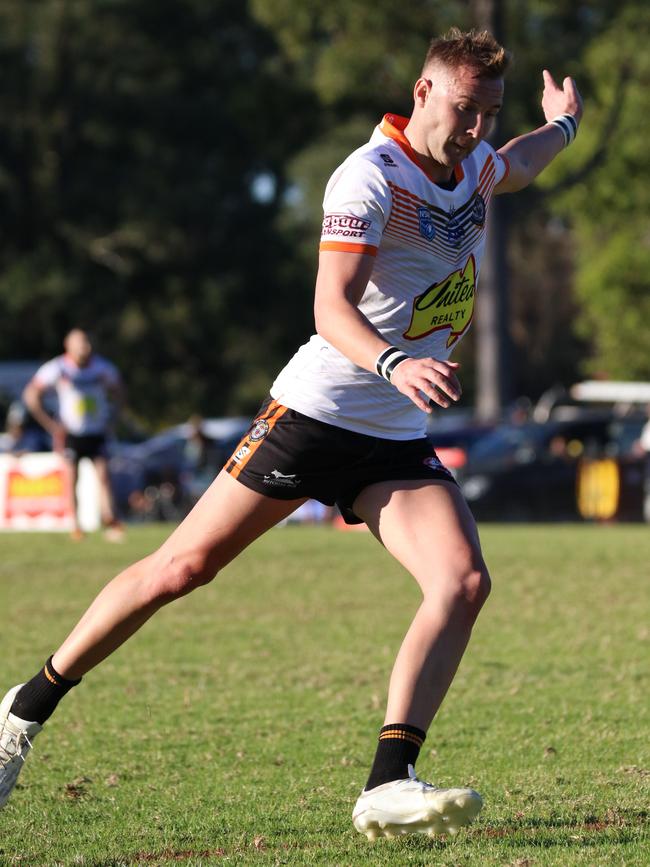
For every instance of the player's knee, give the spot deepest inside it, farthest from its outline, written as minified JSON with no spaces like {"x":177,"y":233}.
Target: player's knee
{"x":476,"y":586}
{"x":176,"y":576}
{"x":468,"y":587}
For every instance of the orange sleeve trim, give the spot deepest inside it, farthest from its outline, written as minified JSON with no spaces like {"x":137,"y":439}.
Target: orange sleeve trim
{"x":340,"y":247}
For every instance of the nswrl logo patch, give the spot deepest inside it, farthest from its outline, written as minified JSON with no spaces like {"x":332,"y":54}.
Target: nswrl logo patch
{"x":426,"y":224}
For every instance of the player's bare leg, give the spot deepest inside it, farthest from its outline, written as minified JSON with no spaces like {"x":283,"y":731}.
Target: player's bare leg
{"x":106,"y":506}
{"x":76,"y":533}
{"x":226,"y":520}
{"x":113,"y":530}
{"x":428,"y":528}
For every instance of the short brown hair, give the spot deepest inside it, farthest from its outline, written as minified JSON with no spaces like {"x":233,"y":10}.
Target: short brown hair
{"x":478,"y":49}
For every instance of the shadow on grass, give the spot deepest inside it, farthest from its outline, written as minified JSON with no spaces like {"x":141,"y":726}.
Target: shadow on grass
{"x":620,"y":826}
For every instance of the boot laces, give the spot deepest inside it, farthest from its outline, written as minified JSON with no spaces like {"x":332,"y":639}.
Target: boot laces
{"x":18,"y":740}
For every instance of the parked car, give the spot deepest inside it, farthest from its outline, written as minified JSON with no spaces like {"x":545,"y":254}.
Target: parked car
{"x":162,"y":477}
{"x":453,"y":445}
{"x":529,"y":471}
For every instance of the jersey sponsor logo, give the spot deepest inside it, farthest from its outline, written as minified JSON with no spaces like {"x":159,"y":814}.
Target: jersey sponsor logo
{"x":455,"y":229}
{"x":259,"y":430}
{"x":275,"y":477}
{"x":345,"y":226}
{"x":241,"y":453}
{"x":477,"y":214}
{"x":448,"y":304}
{"x":388,"y":160}
{"x":426,"y":225}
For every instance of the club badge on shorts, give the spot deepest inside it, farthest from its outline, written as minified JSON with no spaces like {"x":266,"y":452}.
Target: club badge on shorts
{"x":259,"y":430}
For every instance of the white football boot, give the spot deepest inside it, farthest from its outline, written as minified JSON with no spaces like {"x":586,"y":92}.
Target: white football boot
{"x":16,"y":736}
{"x":414,"y":807}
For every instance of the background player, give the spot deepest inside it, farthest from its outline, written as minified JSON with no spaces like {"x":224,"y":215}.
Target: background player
{"x":89,"y":391}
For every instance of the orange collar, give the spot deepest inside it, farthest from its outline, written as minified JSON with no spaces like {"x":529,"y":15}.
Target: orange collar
{"x":393,"y":126}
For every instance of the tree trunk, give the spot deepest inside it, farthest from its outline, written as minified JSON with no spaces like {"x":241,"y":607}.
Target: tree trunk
{"x":493,"y":371}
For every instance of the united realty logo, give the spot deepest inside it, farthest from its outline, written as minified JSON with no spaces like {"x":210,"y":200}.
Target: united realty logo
{"x":447,"y":304}
{"x":426,"y":224}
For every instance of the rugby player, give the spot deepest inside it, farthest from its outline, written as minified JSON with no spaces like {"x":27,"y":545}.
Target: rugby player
{"x":89,"y":391}
{"x":401,"y":247}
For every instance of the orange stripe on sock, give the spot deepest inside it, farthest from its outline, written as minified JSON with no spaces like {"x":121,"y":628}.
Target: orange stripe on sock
{"x":395,"y":734}
{"x":49,"y":677}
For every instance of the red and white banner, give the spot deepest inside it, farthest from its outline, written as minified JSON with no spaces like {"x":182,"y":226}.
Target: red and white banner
{"x":36,"y":493}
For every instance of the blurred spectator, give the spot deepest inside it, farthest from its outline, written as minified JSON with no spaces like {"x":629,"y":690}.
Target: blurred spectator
{"x":89,"y":392}
{"x":198,"y":451}
{"x":644,"y":439}
{"x":521,"y":411}
{"x":201,"y":461}
{"x":643,"y":447}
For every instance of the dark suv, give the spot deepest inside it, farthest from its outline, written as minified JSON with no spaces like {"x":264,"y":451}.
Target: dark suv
{"x":530,"y":471}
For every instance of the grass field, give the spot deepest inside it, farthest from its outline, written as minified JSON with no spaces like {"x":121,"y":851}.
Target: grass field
{"x":237,"y":727}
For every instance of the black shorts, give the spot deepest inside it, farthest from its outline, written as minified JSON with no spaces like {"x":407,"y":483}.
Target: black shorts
{"x":287,"y":455}
{"x":90,"y":446}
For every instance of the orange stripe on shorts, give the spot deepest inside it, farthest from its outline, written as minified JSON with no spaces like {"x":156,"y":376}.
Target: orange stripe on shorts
{"x":260,"y":429}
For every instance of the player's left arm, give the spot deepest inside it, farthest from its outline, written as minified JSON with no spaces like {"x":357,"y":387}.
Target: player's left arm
{"x":529,"y":154}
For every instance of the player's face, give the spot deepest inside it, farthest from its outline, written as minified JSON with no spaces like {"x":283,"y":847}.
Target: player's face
{"x":78,"y":347}
{"x":458,"y":111}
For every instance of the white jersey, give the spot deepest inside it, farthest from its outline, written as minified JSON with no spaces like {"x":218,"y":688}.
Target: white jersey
{"x":84,"y":407}
{"x":428,"y":242}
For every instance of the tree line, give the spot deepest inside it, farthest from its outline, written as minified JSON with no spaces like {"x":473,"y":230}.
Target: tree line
{"x":162,"y":166}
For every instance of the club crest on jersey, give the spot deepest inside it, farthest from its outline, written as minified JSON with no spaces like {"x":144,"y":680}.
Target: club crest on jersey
{"x":477,"y":214}
{"x":427,"y":226}
{"x":455,"y":229}
{"x":259,"y":430}
{"x":448,"y":304}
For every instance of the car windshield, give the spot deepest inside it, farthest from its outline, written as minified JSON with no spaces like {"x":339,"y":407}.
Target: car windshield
{"x":507,"y":439}
{"x":585,"y":436}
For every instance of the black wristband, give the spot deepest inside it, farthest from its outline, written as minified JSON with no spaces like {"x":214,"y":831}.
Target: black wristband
{"x":568,"y":126}
{"x":388,"y":360}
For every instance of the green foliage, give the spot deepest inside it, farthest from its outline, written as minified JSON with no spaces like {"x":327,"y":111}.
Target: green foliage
{"x":130,"y":136}
{"x":610,"y":208}
{"x":238,"y":726}
{"x":356,"y":53}
{"x":133,"y":132}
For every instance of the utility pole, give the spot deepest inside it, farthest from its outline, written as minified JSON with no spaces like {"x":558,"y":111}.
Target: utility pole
{"x":493,"y":352}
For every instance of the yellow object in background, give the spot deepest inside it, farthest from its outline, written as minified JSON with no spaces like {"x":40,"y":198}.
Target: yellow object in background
{"x":598,"y":488}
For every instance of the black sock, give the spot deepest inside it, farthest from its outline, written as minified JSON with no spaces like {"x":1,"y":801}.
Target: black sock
{"x":36,"y":701}
{"x":398,"y":747}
